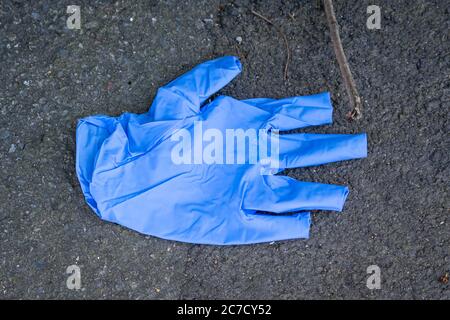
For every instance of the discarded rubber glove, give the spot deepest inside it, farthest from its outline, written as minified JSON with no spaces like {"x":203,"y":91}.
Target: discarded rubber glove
{"x":173,"y":173}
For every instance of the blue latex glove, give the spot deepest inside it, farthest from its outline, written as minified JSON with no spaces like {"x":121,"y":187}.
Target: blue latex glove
{"x":127,"y":172}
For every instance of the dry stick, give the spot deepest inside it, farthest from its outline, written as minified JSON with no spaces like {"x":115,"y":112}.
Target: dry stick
{"x":286,"y":43}
{"x":355,"y":99}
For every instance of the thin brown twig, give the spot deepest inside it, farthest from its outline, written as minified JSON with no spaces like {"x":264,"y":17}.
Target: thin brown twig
{"x":355,"y":99}
{"x":286,"y":43}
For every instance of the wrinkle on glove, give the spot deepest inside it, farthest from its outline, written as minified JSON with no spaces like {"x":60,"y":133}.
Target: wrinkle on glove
{"x":127,"y":174}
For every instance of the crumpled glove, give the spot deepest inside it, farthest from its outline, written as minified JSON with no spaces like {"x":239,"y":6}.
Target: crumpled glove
{"x":129,"y":175}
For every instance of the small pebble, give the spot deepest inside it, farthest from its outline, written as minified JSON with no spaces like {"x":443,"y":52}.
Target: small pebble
{"x":12,"y":148}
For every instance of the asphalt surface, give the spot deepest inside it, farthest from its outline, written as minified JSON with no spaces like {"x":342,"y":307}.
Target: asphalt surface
{"x":397,"y":213}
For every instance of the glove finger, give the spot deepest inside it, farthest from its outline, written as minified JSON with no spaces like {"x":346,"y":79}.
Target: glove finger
{"x":183,"y":96}
{"x":265,"y":228}
{"x":303,"y":149}
{"x":281,"y":194}
{"x":296,"y":112}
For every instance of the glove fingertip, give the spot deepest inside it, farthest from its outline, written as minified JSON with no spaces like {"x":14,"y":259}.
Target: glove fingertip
{"x":342,"y":198}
